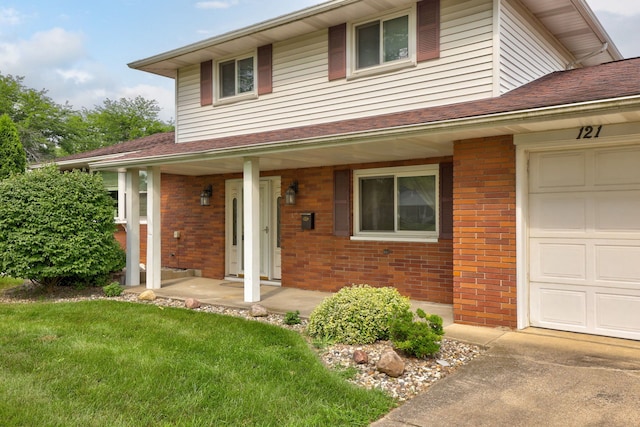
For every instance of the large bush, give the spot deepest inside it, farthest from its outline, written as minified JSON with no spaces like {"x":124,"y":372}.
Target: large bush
{"x":357,"y":315}
{"x":57,"y":227}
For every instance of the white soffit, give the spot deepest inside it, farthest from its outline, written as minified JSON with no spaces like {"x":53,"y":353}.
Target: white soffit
{"x":575,"y":25}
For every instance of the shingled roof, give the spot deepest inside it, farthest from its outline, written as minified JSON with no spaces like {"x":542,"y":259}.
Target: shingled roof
{"x":609,"y":81}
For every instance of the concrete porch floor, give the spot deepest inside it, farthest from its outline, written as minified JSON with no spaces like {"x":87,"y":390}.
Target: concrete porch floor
{"x":274,"y":298}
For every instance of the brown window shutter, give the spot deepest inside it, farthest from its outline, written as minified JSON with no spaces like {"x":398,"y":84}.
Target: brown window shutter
{"x":446,"y":200}
{"x":338,"y":52}
{"x":206,"y":83}
{"x":341,"y":205}
{"x":265,"y":69}
{"x":428,"y":30}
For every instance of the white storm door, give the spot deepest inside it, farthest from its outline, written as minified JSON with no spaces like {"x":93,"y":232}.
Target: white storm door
{"x":584,"y":241}
{"x":270,"y":253}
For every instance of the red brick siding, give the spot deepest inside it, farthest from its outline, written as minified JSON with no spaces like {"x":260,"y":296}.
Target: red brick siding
{"x":484,"y":243}
{"x":318,"y":260}
{"x":201,"y":242}
{"x":121,"y":237}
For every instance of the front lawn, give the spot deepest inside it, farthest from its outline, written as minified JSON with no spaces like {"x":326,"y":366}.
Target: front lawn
{"x":113,"y":363}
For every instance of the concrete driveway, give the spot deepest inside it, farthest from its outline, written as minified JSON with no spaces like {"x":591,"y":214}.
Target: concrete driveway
{"x":533,"y":378}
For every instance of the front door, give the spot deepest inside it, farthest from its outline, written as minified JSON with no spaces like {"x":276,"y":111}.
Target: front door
{"x":269,"y":229}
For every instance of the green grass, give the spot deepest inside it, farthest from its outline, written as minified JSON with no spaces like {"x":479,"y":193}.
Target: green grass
{"x":99,"y":363}
{"x":9,"y":282}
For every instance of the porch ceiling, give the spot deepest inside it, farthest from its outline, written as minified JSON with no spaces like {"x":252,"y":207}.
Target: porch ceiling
{"x":350,"y":152}
{"x":406,"y":144}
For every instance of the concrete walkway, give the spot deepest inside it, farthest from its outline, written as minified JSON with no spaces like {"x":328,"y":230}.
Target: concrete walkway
{"x":275,"y":298}
{"x":533,"y":377}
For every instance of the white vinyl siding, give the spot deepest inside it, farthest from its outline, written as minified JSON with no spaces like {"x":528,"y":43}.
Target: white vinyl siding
{"x":303,"y":95}
{"x":527,"y":52}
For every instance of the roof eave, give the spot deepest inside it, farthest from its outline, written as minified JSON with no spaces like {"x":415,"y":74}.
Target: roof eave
{"x":144,"y":64}
{"x":494,"y":120}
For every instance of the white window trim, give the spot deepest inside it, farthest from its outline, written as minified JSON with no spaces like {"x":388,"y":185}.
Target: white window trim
{"x":411,"y":61}
{"x":219,"y":100}
{"x":122,"y":187}
{"x":396,"y":236}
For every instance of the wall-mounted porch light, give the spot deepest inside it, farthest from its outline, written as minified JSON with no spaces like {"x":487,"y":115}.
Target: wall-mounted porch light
{"x":290,"y":194}
{"x":205,"y":196}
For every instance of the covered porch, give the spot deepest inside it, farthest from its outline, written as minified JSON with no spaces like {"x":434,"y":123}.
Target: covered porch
{"x":274,"y":298}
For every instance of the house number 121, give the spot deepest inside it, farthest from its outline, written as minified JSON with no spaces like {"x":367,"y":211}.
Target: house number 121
{"x":588,"y":132}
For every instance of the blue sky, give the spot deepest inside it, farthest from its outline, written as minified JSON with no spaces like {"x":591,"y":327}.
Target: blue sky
{"x":78,"y":50}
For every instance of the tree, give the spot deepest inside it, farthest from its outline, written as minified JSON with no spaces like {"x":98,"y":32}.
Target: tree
{"x":57,"y":228}
{"x":41,"y":123}
{"x":12,"y":155}
{"x":114,"y":122}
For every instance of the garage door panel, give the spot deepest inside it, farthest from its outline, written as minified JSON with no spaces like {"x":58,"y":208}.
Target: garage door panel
{"x":555,"y":213}
{"x":617,"y":211}
{"x":617,"y":167}
{"x":550,"y":171}
{"x":559,"y":307}
{"x":558,"y":262}
{"x":618,"y":264}
{"x":618,"y":313}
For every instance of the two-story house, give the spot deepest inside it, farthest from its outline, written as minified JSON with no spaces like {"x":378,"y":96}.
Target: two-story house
{"x":479,"y":153}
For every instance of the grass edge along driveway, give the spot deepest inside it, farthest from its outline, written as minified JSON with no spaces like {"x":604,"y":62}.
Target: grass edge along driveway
{"x":123,"y":364}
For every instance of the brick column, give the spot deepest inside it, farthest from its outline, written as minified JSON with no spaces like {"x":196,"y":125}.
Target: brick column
{"x":484,"y":235}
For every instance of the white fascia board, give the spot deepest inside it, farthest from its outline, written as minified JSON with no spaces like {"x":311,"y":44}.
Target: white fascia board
{"x":445,"y":126}
{"x":243,"y":32}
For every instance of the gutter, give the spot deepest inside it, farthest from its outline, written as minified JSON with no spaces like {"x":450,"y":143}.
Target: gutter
{"x":243,"y":32}
{"x":443,"y":127}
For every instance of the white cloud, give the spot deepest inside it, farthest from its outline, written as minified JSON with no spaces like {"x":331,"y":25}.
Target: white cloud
{"x":55,"y":47}
{"x":618,"y":7}
{"x":9,"y":16}
{"x":75,"y":75}
{"x":216,"y":4}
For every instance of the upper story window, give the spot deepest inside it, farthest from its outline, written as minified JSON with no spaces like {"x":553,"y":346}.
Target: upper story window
{"x":236,"y":77}
{"x":396,"y":203}
{"x":381,"y":44}
{"x":382,"y":41}
{"x":385,"y":43}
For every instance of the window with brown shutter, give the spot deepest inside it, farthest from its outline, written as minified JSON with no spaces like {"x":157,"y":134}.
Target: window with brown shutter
{"x":428,"y":23}
{"x":338,"y":52}
{"x":265,"y":65}
{"x":341,"y":203}
{"x":446,"y":200}
{"x":206,"y":83}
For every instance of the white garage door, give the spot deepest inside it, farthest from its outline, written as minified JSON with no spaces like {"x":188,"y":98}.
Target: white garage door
{"x":584,"y":241}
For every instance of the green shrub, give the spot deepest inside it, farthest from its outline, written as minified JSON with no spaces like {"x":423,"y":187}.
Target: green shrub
{"x":358,"y":314}
{"x":292,"y":318}
{"x":113,"y":290}
{"x":418,"y":338}
{"x":57,"y":228}
{"x":14,"y":158}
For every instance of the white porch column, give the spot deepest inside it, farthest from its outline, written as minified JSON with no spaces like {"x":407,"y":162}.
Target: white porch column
{"x":122,"y":191}
{"x":132,"y":189}
{"x":251,"y":189}
{"x":154,"y":254}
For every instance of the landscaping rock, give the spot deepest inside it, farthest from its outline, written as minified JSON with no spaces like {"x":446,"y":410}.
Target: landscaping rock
{"x":258,"y":310}
{"x":360,"y":357}
{"x":391,"y":364}
{"x":192,"y":303}
{"x":147,"y":295}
